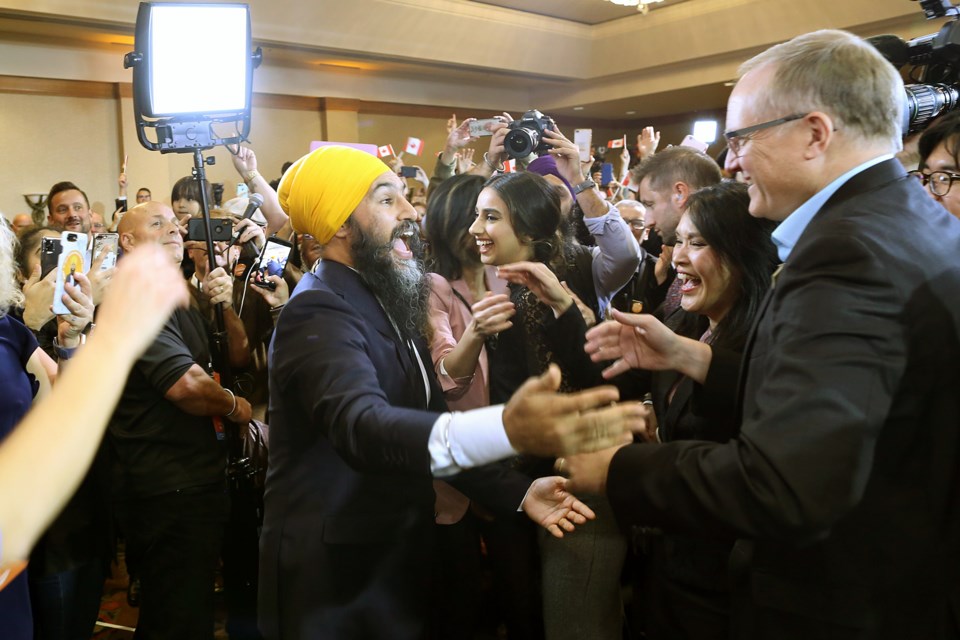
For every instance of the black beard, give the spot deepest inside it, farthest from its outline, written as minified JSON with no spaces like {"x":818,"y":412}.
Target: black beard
{"x":402,"y":289}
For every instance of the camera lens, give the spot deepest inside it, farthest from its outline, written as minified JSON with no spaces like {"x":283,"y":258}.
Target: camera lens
{"x":518,"y":143}
{"x":71,"y":237}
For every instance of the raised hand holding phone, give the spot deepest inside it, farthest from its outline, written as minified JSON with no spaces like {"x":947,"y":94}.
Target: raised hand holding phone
{"x":73,"y":259}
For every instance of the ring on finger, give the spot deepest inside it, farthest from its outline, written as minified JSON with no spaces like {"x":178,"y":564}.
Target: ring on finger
{"x":559,"y":465}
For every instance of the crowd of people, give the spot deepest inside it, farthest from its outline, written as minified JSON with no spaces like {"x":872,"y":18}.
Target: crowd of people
{"x":713,"y":399}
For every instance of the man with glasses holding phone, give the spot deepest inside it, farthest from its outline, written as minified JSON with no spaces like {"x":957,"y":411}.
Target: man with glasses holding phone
{"x":939,"y":147}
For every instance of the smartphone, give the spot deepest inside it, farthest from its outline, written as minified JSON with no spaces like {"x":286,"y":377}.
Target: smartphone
{"x":693,"y":143}
{"x":480,"y":128}
{"x":408,"y":172}
{"x":273,"y":262}
{"x":606,"y":174}
{"x":73,"y":260}
{"x":583,"y":138}
{"x":109,"y":242}
{"x":49,"y":255}
{"x":221,"y":228}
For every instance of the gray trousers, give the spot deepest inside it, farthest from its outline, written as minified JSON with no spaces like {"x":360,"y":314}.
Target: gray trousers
{"x":581,"y":578}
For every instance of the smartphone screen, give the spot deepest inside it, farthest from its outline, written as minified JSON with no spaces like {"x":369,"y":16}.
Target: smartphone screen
{"x":49,"y":255}
{"x":583,"y":138}
{"x":73,"y":260}
{"x":108,"y":242}
{"x":273,"y":262}
{"x":408,"y":172}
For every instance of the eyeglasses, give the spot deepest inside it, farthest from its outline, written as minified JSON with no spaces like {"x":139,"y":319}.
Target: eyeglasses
{"x":636,"y":224}
{"x":739,"y":137}
{"x":939,"y":182}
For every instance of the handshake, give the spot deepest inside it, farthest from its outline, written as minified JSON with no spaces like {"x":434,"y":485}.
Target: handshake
{"x":541,"y":422}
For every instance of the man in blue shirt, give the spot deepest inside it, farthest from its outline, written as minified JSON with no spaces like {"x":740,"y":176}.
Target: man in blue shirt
{"x":842,"y":487}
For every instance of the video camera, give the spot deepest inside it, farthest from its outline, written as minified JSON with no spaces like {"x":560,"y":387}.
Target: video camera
{"x":935,"y":62}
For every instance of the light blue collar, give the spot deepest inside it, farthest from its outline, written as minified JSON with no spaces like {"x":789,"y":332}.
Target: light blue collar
{"x":788,"y":232}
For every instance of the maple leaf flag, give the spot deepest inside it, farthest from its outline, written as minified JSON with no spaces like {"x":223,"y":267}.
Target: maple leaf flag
{"x":384,"y":151}
{"x":509,"y":166}
{"x":615,"y":144}
{"x":414,"y":146}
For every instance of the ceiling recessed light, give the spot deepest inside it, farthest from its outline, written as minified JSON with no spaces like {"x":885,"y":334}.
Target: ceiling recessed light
{"x":729,"y":83}
{"x":631,"y":113}
{"x":578,"y":108}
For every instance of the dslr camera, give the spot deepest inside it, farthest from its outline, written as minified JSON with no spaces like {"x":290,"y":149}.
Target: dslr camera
{"x":526,"y":135}
{"x":934,"y":70}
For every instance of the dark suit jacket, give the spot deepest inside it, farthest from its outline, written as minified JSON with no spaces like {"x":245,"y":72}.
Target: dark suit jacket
{"x":348,"y":525}
{"x":845,"y":477}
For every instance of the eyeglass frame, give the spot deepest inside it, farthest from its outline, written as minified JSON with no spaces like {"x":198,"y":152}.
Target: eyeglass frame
{"x":637,"y":223}
{"x":738,"y":137}
{"x":925,"y":179}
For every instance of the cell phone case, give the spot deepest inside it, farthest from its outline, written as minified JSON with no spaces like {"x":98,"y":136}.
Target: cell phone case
{"x":73,"y":259}
{"x":606,"y":173}
{"x":49,"y":255}
{"x":583,"y":138}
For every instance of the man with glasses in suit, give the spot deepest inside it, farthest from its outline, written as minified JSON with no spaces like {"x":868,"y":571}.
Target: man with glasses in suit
{"x":841,"y":488}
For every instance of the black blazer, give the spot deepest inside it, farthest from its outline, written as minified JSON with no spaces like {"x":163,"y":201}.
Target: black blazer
{"x":348,"y":525}
{"x":845,"y":478}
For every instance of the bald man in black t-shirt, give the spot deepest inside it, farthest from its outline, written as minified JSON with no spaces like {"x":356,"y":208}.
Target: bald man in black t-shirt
{"x":167,"y":438}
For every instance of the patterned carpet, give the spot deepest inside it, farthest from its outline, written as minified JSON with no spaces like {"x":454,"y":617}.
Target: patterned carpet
{"x":118,"y":619}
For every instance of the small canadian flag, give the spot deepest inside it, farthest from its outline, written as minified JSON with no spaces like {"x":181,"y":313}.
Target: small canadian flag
{"x":414,"y":146}
{"x":509,"y":166}
{"x":617,"y":144}
{"x":384,"y":151}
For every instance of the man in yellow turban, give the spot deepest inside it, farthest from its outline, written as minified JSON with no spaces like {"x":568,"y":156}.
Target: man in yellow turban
{"x":359,"y":427}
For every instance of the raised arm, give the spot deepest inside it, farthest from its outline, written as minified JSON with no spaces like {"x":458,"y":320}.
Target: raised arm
{"x":245,"y":162}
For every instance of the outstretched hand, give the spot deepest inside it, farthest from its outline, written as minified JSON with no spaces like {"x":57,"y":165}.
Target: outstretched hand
{"x":647,"y":142}
{"x":634,"y":342}
{"x":541,"y":421}
{"x":643,"y":342}
{"x":551,"y":506}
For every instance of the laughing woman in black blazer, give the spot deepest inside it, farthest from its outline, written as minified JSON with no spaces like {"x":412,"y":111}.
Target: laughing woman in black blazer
{"x":724,"y":257}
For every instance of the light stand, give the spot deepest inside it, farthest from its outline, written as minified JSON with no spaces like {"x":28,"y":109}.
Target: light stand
{"x":178,"y":108}
{"x":192,"y":91}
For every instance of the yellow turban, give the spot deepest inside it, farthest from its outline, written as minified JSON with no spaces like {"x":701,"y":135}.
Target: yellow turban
{"x":321,"y":189}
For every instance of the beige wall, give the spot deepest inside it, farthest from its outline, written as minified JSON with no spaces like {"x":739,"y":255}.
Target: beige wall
{"x":85,"y":139}
{"x":46,"y":139}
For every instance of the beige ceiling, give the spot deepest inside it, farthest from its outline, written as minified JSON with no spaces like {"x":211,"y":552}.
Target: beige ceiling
{"x":582,"y":11}
{"x":575,"y":58}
